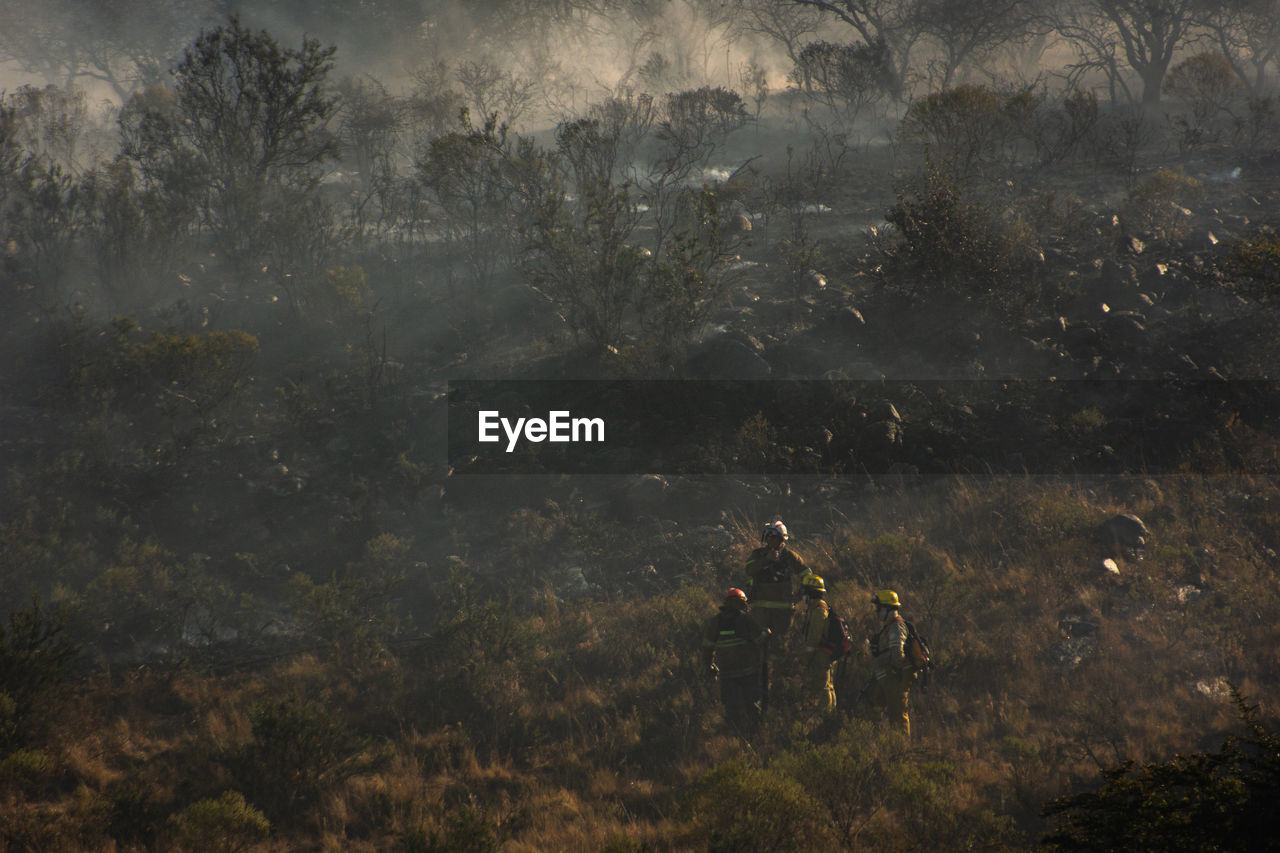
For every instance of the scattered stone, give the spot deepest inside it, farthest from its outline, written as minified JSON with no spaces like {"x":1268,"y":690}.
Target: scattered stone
{"x":1108,"y":566}
{"x":1216,"y":689}
{"x":1124,"y":534}
{"x":849,"y":318}
{"x":886,"y":411}
{"x":647,"y":491}
{"x":1076,"y":626}
{"x":883,"y":434}
{"x":726,"y":358}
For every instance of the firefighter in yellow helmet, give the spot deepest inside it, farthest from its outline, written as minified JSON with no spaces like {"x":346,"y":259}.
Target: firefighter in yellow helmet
{"x":770,"y":569}
{"x":893,"y":672}
{"x":817,"y":660}
{"x":733,"y":648}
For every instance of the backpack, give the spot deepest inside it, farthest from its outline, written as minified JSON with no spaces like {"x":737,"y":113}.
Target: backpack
{"x":837,"y":641}
{"x":917,"y":649}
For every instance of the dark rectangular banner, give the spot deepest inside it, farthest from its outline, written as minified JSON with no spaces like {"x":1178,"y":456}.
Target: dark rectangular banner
{"x":845,"y":427}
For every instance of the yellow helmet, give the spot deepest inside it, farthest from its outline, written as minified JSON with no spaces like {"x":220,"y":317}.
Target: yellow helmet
{"x":812,"y":583}
{"x":886,"y":598}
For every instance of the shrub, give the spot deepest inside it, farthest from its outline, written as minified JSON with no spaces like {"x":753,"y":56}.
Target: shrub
{"x":25,"y":770}
{"x":1122,"y":135}
{"x":689,"y":278}
{"x":747,"y":809}
{"x":143,"y":596}
{"x":1206,"y":801}
{"x":1257,"y":129}
{"x":844,"y":78}
{"x":1207,"y":83}
{"x":188,"y":380}
{"x":956,"y":243}
{"x":34,"y":658}
{"x":227,"y":824}
{"x":1067,"y":132}
{"x":965,"y":128}
{"x":856,"y":768}
{"x":1155,"y":206}
{"x":293,"y":754}
{"x":696,"y":123}
{"x":1255,"y":263}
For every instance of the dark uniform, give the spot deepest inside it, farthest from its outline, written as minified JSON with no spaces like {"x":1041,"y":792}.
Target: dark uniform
{"x":734,"y":642}
{"x":769,"y":586}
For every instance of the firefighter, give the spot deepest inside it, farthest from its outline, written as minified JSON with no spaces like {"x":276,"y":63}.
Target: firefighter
{"x":817,"y":659}
{"x":770,"y":569}
{"x":893,"y":671}
{"x":733,"y":649}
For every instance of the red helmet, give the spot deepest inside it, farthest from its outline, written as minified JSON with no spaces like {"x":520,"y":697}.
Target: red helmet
{"x":735,"y":596}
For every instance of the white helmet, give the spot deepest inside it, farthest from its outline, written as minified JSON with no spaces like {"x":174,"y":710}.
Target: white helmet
{"x":774,"y":528}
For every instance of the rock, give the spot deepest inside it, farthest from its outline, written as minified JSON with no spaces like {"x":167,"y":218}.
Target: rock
{"x":791,"y":359}
{"x":646,"y":492}
{"x":1217,"y":689}
{"x":885,"y":411}
{"x":1119,"y":322}
{"x":740,"y":224}
{"x":1124,"y":534}
{"x":726,"y":358}
{"x":848,"y":318}
{"x":570,"y":582}
{"x":883,"y":434}
{"x":1081,"y":341}
{"x":1075,"y":626}
{"x":1108,"y":566}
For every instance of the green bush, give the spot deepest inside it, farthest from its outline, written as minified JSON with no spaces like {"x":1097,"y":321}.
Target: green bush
{"x":294,"y":753}
{"x":1255,"y":263}
{"x":226,"y":824}
{"x":25,"y":770}
{"x":747,"y":809}
{"x":1222,"y":800}
{"x":34,"y":658}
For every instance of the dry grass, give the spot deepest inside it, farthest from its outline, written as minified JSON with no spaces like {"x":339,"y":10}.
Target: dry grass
{"x":595,"y":727}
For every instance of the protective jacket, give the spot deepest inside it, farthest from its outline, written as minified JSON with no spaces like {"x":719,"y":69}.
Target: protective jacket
{"x":815,"y":628}
{"x":769,"y":581}
{"x":889,"y":646}
{"x":734,"y":642}
{"x":817,"y":663}
{"x":894,"y":676}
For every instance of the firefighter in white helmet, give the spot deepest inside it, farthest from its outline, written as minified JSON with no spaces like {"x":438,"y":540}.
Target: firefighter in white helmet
{"x":770,"y":571}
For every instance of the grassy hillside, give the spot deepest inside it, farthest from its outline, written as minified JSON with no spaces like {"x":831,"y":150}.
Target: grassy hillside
{"x":254,"y":601}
